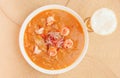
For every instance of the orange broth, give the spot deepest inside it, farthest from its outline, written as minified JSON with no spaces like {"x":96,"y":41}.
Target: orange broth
{"x":65,"y":56}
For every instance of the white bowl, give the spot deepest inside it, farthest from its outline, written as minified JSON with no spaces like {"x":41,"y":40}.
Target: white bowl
{"x":21,"y":39}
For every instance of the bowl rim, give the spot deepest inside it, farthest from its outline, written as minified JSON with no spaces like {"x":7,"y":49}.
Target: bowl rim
{"x":28,"y":19}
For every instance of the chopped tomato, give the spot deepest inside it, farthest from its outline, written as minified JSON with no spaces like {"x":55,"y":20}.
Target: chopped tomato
{"x":65,"y":31}
{"x":60,"y":43}
{"x":52,"y":51}
{"x":43,"y":36}
{"x":68,"y":43}
{"x":53,"y":38}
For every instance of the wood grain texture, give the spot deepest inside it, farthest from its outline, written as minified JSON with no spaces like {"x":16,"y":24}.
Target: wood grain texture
{"x":104,"y":48}
{"x":101,"y":60}
{"x":17,"y":10}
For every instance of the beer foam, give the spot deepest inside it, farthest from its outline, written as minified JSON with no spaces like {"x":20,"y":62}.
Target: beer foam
{"x":103,"y":21}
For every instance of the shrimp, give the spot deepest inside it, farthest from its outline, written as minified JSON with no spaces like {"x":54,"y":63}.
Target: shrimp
{"x":52,"y":51}
{"x":39,"y":31}
{"x":65,"y":31}
{"x":36,"y":50}
{"x":50,"y":20}
{"x":68,"y":43}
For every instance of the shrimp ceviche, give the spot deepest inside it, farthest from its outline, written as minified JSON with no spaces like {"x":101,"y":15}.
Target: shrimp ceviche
{"x":54,"y":39}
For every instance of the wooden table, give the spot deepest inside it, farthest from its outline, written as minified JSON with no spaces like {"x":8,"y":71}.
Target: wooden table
{"x":101,"y":61}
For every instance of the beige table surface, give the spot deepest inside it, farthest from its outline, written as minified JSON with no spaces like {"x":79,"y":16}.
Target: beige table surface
{"x":103,"y":56}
